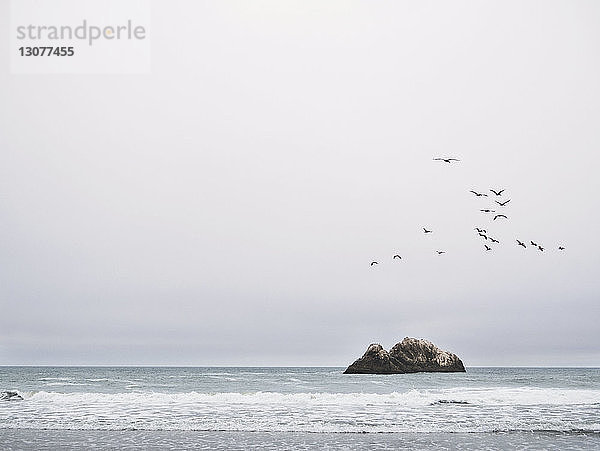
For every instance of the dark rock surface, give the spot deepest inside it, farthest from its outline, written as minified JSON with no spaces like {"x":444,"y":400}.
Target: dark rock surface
{"x":10,"y":396}
{"x":411,"y":355}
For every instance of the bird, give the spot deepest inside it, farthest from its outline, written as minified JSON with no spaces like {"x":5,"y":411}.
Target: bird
{"x":497,"y":193}
{"x":493,"y":240}
{"x":483,"y":235}
{"x":533,"y":244}
{"x":441,"y":252}
{"x":500,"y":216}
{"x":426,"y":231}
{"x":541,"y":248}
{"x":487,"y":248}
{"x":560,"y":248}
{"x":447,"y":160}
{"x":486,"y":210}
{"x":374,"y":263}
{"x":478,"y":194}
{"x":520,"y":243}
{"x":480,"y":230}
{"x":502,"y":204}
{"x":396,"y":256}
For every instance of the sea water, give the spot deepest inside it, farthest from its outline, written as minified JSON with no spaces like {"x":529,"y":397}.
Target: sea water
{"x":104,"y":407}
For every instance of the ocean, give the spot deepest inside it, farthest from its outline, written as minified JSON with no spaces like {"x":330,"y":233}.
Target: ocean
{"x":298,"y":408}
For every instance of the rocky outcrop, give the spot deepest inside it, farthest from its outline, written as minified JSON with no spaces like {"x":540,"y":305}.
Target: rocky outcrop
{"x":411,"y":355}
{"x":10,"y":396}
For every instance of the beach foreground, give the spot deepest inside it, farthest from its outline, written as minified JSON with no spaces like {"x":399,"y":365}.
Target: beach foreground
{"x":65,"y":439}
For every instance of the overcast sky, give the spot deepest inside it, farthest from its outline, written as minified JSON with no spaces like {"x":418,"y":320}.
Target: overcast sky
{"x":225,"y":208}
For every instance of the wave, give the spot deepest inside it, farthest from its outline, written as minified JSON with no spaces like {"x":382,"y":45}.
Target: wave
{"x":443,"y":410}
{"x":522,"y":396}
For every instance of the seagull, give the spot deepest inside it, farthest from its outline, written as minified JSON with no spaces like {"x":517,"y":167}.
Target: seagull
{"x":502,"y":204}
{"x":426,"y":231}
{"x":447,"y":160}
{"x":441,"y":252}
{"x":520,"y":243}
{"x":478,"y":194}
{"x":500,"y":216}
{"x":396,"y":256}
{"x":541,"y":248}
{"x":487,"y":248}
{"x":560,"y":248}
{"x":493,"y":240}
{"x":497,"y":193}
{"x":533,"y":244}
{"x":374,"y":263}
{"x":486,"y":210}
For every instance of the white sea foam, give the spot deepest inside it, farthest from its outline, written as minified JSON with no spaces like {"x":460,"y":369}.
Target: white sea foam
{"x":413,"y":398}
{"x":301,"y":399}
{"x":461,"y":409}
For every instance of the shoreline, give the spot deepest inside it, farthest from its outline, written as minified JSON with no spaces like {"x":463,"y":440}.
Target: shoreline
{"x":135,"y":439}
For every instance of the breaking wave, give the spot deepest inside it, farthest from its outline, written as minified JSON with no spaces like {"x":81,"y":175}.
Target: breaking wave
{"x":413,"y":398}
{"x":443,"y":410}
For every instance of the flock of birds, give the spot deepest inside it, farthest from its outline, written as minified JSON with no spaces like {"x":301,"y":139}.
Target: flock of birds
{"x":497,"y":215}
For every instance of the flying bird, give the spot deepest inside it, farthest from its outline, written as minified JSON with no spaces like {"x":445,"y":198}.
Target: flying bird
{"x":396,"y":256}
{"x":426,"y":231}
{"x":487,"y":248}
{"x":500,"y":216}
{"x":483,"y":235}
{"x":497,"y":193}
{"x":560,"y":248}
{"x":480,"y":230}
{"x":447,"y":160}
{"x":493,"y":240}
{"x":374,"y":263}
{"x":502,"y":204}
{"x":441,"y":252}
{"x":520,"y":243}
{"x":533,"y":244}
{"x":486,"y":210}
{"x":478,"y":194}
{"x":541,"y":248}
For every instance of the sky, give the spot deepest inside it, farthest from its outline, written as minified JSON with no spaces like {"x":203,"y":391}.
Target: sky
{"x":224,"y":208}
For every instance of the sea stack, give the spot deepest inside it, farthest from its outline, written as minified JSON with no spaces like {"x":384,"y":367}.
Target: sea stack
{"x":411,"y":355}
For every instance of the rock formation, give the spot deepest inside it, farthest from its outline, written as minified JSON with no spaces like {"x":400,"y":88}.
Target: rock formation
{"x":411,"y":355}
{"x":10,"y":396}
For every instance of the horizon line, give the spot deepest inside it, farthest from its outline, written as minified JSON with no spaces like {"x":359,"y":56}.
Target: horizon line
{"x":271,"y":366}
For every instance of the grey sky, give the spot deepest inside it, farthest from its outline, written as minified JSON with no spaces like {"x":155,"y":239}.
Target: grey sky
{"x":224,"y":208}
